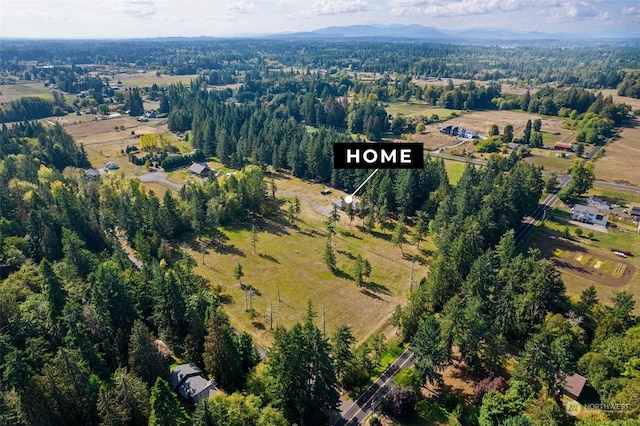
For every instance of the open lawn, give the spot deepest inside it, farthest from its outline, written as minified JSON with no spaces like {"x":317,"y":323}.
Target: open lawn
{"x":622,"y":156}
{"x":583,"y":261}
{"x":413,"y":109}
{"x":551,"y":160}
{"x":149,"y":79}
{"x":288,"y":263}
{"x":10,"y":92}
{"x":454,"y":170}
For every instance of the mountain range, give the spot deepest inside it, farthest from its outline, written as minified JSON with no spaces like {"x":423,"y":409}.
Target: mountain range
{"x":419,"y":32}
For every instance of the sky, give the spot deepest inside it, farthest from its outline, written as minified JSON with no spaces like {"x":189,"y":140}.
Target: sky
{"x":194,"y":18}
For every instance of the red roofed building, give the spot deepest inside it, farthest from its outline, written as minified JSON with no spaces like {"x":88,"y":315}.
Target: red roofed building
{"x":564,"y":146}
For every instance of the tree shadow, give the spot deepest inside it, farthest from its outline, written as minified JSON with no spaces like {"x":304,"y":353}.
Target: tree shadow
{"x":376,"y":288}
{"x":349,"y":234}
{"x":229,"y":249}
{"x":346,"y":253}
{"x":249,"y":287}
{"x":225,"y":299}
{"x":258,"y":325}
{"x":341,"y":274}
{"x":268,"y":257}
{"x":371,"y":294}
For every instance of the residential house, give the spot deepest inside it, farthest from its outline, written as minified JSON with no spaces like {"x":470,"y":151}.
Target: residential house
{"x":599,"y":203}
{"x":588,"y":214}
{"x":574,"y":384}
{"x":199,"y":169}
{"x":635,"y":213}
{"x":188,"y":381}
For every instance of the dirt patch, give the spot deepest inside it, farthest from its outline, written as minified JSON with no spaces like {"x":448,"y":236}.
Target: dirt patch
{"x":574,"y":259}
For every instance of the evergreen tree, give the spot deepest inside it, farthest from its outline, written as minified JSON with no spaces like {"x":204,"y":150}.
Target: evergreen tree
{"x":341,"y":351}
{"x":144,"y":358}
{"x":222,"y":359}
{"x":420,"y":229}
{"x":53,"y":286}
{"x":165,"y":407}
{"x":398,"y":237}
{"x":124,"y":401}
{"x":431,"y":350}
{"x":303,"y":378}
{"x":329,"y":257}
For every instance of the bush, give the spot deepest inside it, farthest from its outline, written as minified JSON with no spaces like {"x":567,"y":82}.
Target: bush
{"x":399,"y":401}
{"x":487,"y":384}
{"x":578,"y":232}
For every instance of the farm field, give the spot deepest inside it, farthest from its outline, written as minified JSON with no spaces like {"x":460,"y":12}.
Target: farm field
{"x":481,"y":122}
{"x":413,"y":109}
{"x":619,"y":164}
{"x":584,"y":261}
{"x":104,"y":143}
{"x":10,"y":92}
{"x":148,"y":79}
{"x":288,"y":262}
{"x":548,"y":160}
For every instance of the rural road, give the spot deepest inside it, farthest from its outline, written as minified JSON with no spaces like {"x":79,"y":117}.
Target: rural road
{"x":366,"y":403}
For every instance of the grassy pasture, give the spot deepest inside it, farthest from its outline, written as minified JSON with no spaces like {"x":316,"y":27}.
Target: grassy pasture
{"x":10,"y":92}
{"x":288,"y":262}
{"x":413,"y":109}
{"x":620,"y":161}
{"x":548,"y":160}
{"x":149,"y":78}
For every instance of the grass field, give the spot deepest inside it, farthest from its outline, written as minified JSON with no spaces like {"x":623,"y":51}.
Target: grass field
{"x":149,"y":79}
{"x":10,"y":92}
{"x":454,"y":170}
{"x":288,"y":262}
{"x":620,"y":161}
{"x":548,"y":160}
{"x":412,"y":109}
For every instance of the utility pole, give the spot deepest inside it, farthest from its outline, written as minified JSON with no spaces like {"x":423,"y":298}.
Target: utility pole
{"x":413,"y":259}
{"x":270,"y":316}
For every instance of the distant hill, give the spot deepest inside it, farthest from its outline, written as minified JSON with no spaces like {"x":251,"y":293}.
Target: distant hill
{"x":419,"y":32}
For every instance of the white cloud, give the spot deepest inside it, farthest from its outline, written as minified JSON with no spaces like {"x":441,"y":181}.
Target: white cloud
{"x":437,"y":8}
{"x":630,"y":11}
{"x":333,"y":7}
{"x":140,"y":9}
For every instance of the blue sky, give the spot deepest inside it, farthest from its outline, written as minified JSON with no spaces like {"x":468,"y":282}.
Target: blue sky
{"x":165,"y":18}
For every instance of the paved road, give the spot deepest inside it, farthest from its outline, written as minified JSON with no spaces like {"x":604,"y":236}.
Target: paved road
{"x":540,"y":212}
{"x":364,"y":405}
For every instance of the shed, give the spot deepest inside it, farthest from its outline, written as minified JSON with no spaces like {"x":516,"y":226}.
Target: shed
{"x":188,"y":381}
{"x":564,"y":146}
{"x":199,"y":169}
{"x":635,"y":212}
{"x":574,"y":384}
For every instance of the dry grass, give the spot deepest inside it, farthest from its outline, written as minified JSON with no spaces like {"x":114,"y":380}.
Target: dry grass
{"x":288,"y":262}
{"x":481,"y":122}
{"x":149,"y":79}
{"x":10,"y":92}
{"x":620,"y":162}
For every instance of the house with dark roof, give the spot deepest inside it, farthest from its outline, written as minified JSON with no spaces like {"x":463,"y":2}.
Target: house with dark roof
{"x":199,"y":169}
{"x":635,"y":213}
{"x":188,"y":381}
{"x":574,"y":384}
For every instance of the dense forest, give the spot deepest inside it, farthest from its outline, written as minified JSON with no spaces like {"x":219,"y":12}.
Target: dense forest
{"x":80,"y":317}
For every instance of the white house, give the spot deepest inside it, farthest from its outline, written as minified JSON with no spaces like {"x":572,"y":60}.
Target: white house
{"x":599,"y":203}
{"x":588,"y":214}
